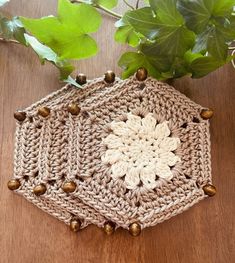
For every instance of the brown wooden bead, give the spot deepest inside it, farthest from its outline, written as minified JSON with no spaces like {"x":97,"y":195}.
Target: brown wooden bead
{"x":109,"y":227}
{"x":13,"y":184}
{"x":81,"y":79}
{"x":209,"y":189}
{"x":73,"y":108}
{"x":135,"y":229}
{"x":20,"y":115}
{"x":39,"y":189}
{"x":206,"y":114}
{"x":75,"y":225}
{"x":69,"y":187}
{"x":44,"y":111}
{"x":109,"y":76}
{"x":142,"y":74}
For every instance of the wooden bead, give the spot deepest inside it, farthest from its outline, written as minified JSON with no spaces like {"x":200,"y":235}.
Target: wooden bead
{"x":135,"y":229}
{"x":73,"y":108}
{"x":69,"y":187}
{"x":209,"y":190}
{"x":109,"y":228}
{"x":142,"y":74}
{"x":39,"y":189}
{"x":44,"y":112}
{"x":206,"y":114}
{"x":81,"y":79}
{"x":75,"y":225}
{"x":20,"y":115}
{"x":13,"y":184}
{"x":109,"y":76}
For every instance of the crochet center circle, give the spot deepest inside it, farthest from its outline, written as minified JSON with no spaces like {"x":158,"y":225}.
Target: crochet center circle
{"x":141,"y":150}
{"x":134,"y":152}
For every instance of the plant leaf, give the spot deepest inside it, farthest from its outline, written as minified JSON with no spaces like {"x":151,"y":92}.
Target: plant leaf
{"x":3,"y":2}
{"x":131,"y":61}
{"x":167,"y":12}
{"x":126,"y":34}
{"x":204,"y":65}
{"x":198,"y":14}
{"x":223,"y":7}
{"x":70,"y":80}
{"x":12,"y":29}
{"x":227,"y":29}
{"x":46,"y":53}
{"x":105,"y":3}
{"x":17,"y":29}
{"x":217,"y":46}
{"x":172,"y":38}
{"x":170,"y":42}
{"x":142,"y":20}
{"x":67,"y":34}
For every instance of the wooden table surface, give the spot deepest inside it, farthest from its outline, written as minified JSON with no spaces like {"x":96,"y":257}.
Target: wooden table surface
{"x":205,"y":233}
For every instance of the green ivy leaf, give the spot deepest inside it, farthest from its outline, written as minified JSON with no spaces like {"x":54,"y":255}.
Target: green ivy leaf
{"x":70,"y":80}
{"x":167,"y":12}
{"x":4,"y":29}
{"x":217,"y":46}
{"x":213,"y":42}
{"x":105,"y":3}
{"x":67,"y":34}
{"x":142,"y":21}
{"x":12,"y":29}
{"x":3,"y":2}
{"x":131,"y":61}
{"x":170,"y":42}
{"x":126,"y":33}
{"x":213,"y":21}
{"x":223,"y":7}
{"x":204,"y":65}
{"x":227,"y":29}
{"x":172,"y":38}
{"x":46,"y":53}
{"x":17,"y":30}
{"x":198,"y":14}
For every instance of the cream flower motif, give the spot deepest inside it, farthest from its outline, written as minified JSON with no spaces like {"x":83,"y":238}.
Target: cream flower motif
{"x":140,"y":150}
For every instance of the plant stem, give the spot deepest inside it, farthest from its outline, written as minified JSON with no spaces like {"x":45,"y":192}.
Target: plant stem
{"x":131,"y":7}
{"x":137,"y":4}
{"x":99,"y":7}
{"x":9,"y":40}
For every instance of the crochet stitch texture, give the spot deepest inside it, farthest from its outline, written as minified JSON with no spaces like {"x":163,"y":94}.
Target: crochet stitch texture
{"x":137,"y":151}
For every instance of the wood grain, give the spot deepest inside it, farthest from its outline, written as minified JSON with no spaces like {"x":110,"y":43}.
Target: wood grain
{"x":205,"y":233}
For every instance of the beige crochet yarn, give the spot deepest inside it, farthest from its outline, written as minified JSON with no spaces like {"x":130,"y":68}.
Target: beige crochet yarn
{"x":137,"y":151}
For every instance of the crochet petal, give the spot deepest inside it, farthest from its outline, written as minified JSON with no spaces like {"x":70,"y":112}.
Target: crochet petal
{"x":120,"y":128}
{"x":148,"y":177}
{"x":119,"y":169}
{"x":111,"y":156}
{"x":149,"y":123}
{"x":169,"y":158}
{"x":163,"y":171}
{"x":113,"y":141}
{"x":169,"y":144}
{"x":162,"y":130}
{"x":133,"y":122}
{"x":132,"y":178}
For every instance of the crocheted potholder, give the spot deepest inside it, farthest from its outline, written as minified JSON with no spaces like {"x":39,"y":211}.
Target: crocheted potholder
{"x":128,"y":154}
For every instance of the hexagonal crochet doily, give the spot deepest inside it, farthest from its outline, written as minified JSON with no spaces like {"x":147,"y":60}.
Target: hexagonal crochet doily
{"x":134,"y":152}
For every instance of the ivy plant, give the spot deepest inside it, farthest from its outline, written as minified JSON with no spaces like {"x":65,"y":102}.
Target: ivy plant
{"x":170,"y":38}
